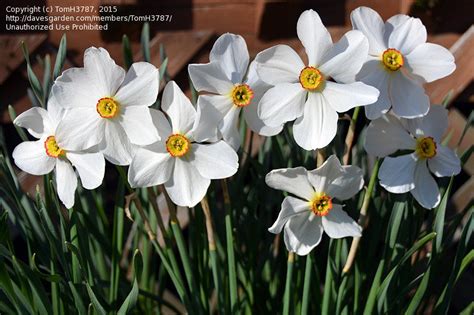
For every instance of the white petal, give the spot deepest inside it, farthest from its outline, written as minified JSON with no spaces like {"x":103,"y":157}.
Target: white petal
{"x":116,"y":146}
{"x":373,"y":74}
{"x":140,"y":86}
{"x":387,"y":135}
{"x":369,"y":22}
{"x":178,"y":108}
{"x":430,"y":62}
{"x":343,"y":97}
{"x":290,"y":207}
{"x":208,"y":117}
{"x":209,"y":77}
{"x":231,"y":52}
{"x":66,"y":182}
{"x":426,"y":190}
{"x":445,"y":162}
{"x":102,"y":70}
{"x":406,"y":35}
{"x":214,"y":161}
{"x":80,"y":129}
{"x":318,"y":125}
{"x":293,"y":180}
{"x":37,"y":121}
{"x":434,"y":124}
{"x":257,"y":124}
{"x":55,"y":111}
{"x":303,"y":233}
{"x":345,"y":58}
{"x":229,"y":128}
{"x":90,"y":166}
{"x":282,"y":103}
{"x":313,"y":35}
{"x":338,"y":224}
{"x":151,"y":165}
{"x":31,"y":157}
{"x":186,"y":187}
{"x":408,"y":98}
{"x":397,"y":174}
{"x":279,"y":64}
{"x":138,"y":125}
{"x":161,"y":124}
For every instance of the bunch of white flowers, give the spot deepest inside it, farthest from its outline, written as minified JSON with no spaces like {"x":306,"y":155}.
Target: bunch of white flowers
{"x":101,"y":111}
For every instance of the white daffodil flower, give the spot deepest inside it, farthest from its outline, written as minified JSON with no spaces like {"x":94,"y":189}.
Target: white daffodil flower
{"x":234,"y":86}
{"x":399,"y":62}
{"x":411,"y":172}
{"x":107,"y":107}
{"x":314,"y":211}
{"x":40,"y":157}
{"x":305,"y":92}
{"x":183,"y":160}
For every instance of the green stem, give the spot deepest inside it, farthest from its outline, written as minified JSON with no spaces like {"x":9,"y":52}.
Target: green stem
{"x":306,"y":285}
{"x":117,"y":241}
{"x":289,"y":273}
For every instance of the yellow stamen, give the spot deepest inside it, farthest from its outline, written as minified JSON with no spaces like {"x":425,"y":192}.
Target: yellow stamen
{"x":52,"y":148}
{"x":392,"y":59}
{"x":107,"y":107}
{"x":178,"y":145}
{"x":425,"y":147}
{"x":242,"y":95}
{"x":310,"y":78}
{"x":321,"y":204}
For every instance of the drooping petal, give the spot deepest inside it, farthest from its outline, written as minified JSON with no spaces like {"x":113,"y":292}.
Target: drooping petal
{"x":209,"y":77}
{"x":228,"y":128}
{"x":426,"y":190}
{"x":290,"y":207}
{"x":369,"y":22}
{"x":90,"y":166}
{"x":37,"y":121}
{"x":282,"y":103}
{"x":66,"y":182}
{"x":430,"y":62}
{"x":31,"y":157}
{"x":138,"y":125}
{"x":161,"y":124}
{"x":313,"y":35}
{"x":373,"y":74}
{"x":338,"y":224}
{"x":293,"y":180}
{"x":103,"y":71}
{"x":345,"y":58}
{"x":231,"y":52}
{"x":140,"y":86}
{"x":80,"y":129}
{"x":257,"y":124}
{"x":406,"y":35}
{"x":386,"y":135}
{"x":207,"y":120}
{"x":445,"y":162}
{"x":434,"y":124}
{"x":408,"y":98}
{"x":186,"y":187}
{"x":279,"y":64}
{"x":343,"y":97}
{"x":214,"y":161}
{"x":318,"y":125}
{"x":397,"y":175}
{"x":116,"y":146}
{"x":151,"y":166}
{"x":178,"y":108}
{"x":303,"y":233}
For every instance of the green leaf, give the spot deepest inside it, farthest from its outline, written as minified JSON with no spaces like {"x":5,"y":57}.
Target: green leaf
{"x":95,"y":302}
{"x":34,"y":82}
{"x":145,"y":41}
{"x":46,"y":276}
{"x":60,"y":57}
{"x":127,"y":52}
{"x":132,"y":297}
{"x":439,"y":219}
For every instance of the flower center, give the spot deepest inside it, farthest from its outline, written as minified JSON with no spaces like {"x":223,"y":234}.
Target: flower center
{"x":242,"y":95}
{"x":177,"y":145}
{"x":310,"y":78}
{"x":425,"y":147}
{"x":321,"y":204}
{"x":107,"y":107}
{"x":392,"y":59}
{"x":52,"y":148}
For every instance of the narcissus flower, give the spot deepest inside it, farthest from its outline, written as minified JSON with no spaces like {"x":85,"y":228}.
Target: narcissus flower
{"x":411,"y":172}
{"x":107,"y":107}
{"x":399,"y":62}
{"x":306,"y":92}
{"x":235,"y":87}
{"x":183,"y":160}
{"x":40,"y":157}
{"x":316,"y":207}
